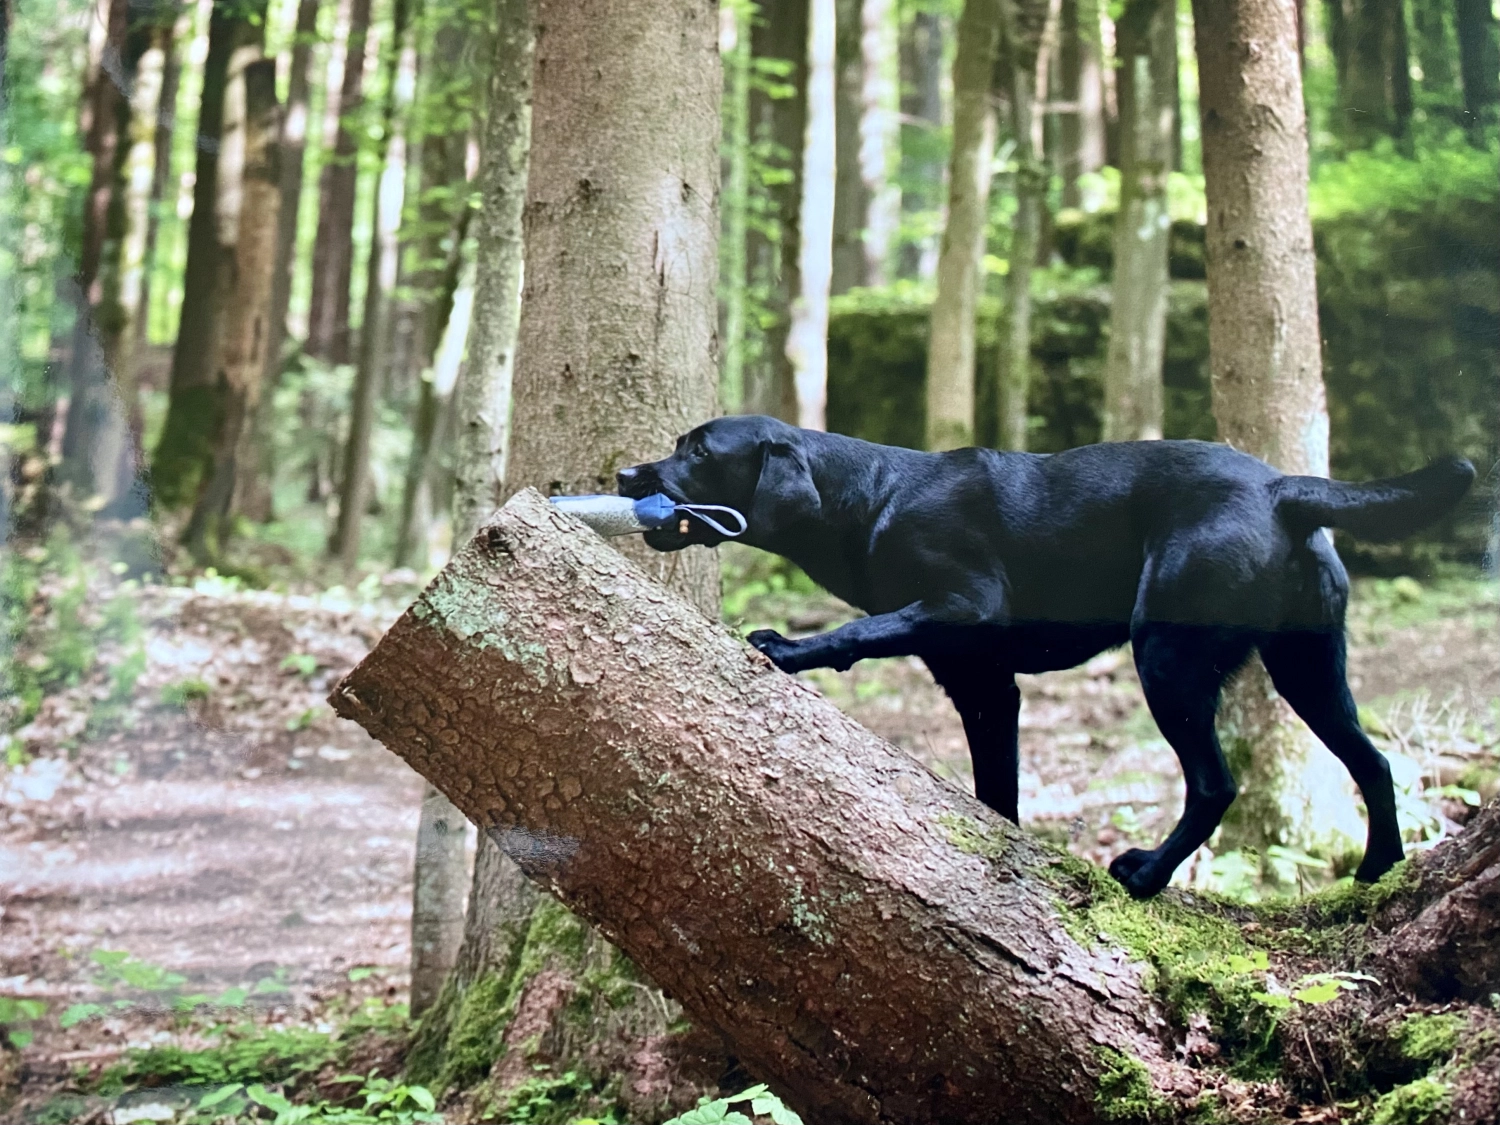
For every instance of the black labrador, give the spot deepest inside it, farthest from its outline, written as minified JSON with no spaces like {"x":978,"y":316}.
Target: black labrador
{"x":985,"y":564}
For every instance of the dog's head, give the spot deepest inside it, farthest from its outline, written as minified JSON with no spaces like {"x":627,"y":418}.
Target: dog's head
{"x":754,"y":464}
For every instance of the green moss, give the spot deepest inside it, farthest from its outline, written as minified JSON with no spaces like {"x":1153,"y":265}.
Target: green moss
{"x":1125,"y":1093}
{"x":1416,"y":1103}
{"x":1431,"y":1039}
{"x":474,"y":1042}
{"x":971,"y":837}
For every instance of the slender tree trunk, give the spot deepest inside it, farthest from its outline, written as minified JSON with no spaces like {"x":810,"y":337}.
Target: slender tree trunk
{"x":246,"y":315}
{"x":879,"y":135}
{"x":778,"y":127}
{"x":1479,"y":64}
{"x":868,"y":939}
{"x":950,"y":339}
{"x":184,"y":454}
{"x":90,"y":403}
{"x":1368,"y":40}
{"x":1266,"y":367}
{"x":922,"y":119}
{"x":1021,"y":63}
{"x":328,"y":333}
{"x":848,"y":185}
{"x":616,"y":356}
{"x":1081,"y":118}
{"x":380,"y":281}
{"x":447,"y":97}
{"x":253,"y":491}
{"x":1436,"y":49}
{"x":161,"y":177}
{"x":1146,"y":46}
{"x":734,"y":49}
{"x":807,"y":337}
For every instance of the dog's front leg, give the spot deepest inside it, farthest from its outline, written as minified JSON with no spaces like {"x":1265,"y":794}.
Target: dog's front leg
{"x":902,"y":633}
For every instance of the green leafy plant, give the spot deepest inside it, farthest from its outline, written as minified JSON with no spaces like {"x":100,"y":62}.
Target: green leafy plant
{"x":718,"y":1111}
{"x":15,"y":1014}
{"x":183,"y":692}
{"x":302,"y":663}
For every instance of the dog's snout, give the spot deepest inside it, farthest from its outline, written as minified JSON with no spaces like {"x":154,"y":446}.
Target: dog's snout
{"x":633,"y":480}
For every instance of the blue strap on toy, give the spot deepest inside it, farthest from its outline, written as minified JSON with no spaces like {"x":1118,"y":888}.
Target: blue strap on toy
{"x":620,"y":515}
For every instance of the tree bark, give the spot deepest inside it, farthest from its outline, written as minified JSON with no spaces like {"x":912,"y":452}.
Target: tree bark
{"x":1025,"y":30}
{"x":922,"y":186}
{"x":778,"y":127}
{"x":615,"y":357}
{"x":879,"y":135}
{"x":246,"y":313}
{"x":950,"y":340}
{"x":734,"y":206}
{"x":1146,"y":46}
{"x":328,"y":333}
{"x":1266,"y":368}
{"x":848,"y":185}
{"x":1368,"y":40}
{"x":184,"y":454}
{"x":866,"y":937}
{"x":161,"y":179}
{"x":1479,"y":65}
{"x":807,"y":335}
{"x":1081,"y":116}
{"x":380,"y":281}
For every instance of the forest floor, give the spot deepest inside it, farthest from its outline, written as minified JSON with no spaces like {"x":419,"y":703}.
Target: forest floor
{"x":211,"y":846}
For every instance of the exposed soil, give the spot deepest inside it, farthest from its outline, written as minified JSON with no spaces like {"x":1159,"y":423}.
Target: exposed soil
{"x":231,"y":830}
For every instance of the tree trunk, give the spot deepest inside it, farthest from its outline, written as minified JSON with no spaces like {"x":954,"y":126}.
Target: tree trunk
{"x":950,"y":339}
{"x":872,"y":941}
{"x":879,"y":136}
{"x":615,"y":358}
{"x":450,"y":91}
{"x":1479,"y":65}
{"x":1021,"y":60}
{"x":1437,"y":52}
{"x":1146,"y":46}
{"x":184,"y":454}
{"x":380,"y":281}
{"x":1368,"y":41}
{"x":161,"y":176}
{"x":848,"y":184}
{"x":807,"y":336}
{"x":90,"y":403}
{"x":1081,"y":116}
{"x":328,"y":334}
{"x":246,"y":314}
{"x":922,"y":122}
{"x":253,"y":491}
{"x":734,"y":206}
{"x":778,"y":127}
{"x":1266,"y":369}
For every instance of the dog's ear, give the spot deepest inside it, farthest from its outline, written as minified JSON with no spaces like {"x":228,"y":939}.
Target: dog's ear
{"x":785,"y":492}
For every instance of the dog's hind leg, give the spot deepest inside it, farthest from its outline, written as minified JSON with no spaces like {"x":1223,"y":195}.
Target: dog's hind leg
{"x":989,"y":703}
{"x":1182,"y":668}
{"x":1307,"y":667}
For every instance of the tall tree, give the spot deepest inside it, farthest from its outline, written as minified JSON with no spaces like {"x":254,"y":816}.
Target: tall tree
{"x":184,"y":453}
{"x":1022,"y":77}
{"x":778,"y":129}
{"x":616,"y":351}
{"x":1479,"y":64}
{"x":734,"y":288}
{"x":1146,"y":46}
{"x":245,"y":317}
{"x":380,"y":281}
{"x":256,"y":472}
{"x":849,"y":188}
{"x":1266,"y":369}
{"x":950,"y":339}
{"x":90,"y":406}
{"x":499,"y":899}
{"x":1368,"y":41}
{"x":166,"y":126}
{"x":1080,"y":124}
{"x":867,"y":200}
{"x":807,"y":335}
{"x":328,"y":334}
{"x":921,"y":57}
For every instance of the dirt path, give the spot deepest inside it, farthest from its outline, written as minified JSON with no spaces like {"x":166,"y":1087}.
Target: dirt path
{"x":232,"y":831}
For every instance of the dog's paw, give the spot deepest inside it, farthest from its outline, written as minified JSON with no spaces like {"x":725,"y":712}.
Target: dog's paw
{"x":1375,"y":864}
{"x":781,"y":651}
{"x":1137,"y":872}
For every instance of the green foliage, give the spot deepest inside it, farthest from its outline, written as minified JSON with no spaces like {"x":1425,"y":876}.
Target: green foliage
{"x":1416,"y":1103}
{"x":1431,"y":1039}
{"x":1125,"y":1093}
{"x":15,"y":1014}
{"x":182,"y":692}
{"x":301,"y":663}
{"x":718,"y":1111}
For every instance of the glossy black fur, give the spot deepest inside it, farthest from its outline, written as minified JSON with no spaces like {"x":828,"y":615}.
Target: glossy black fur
{"x":985,"y":564}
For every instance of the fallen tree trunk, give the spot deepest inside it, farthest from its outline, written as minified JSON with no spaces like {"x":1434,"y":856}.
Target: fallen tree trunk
{"x":873,"y":942}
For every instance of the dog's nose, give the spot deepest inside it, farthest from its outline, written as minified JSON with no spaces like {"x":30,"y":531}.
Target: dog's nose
{"x":626,"y":477}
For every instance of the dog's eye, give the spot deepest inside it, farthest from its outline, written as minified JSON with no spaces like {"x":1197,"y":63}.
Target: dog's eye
{"x":698,"y":452}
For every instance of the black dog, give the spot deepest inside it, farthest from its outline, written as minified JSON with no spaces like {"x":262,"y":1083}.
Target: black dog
{"x":985,"y":564}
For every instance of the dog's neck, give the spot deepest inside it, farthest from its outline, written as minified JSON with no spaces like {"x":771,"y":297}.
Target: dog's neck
{"x":833,"y":546}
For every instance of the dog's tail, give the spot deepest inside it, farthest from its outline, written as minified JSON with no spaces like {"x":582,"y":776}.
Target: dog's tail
{"x":1380,"y":511}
